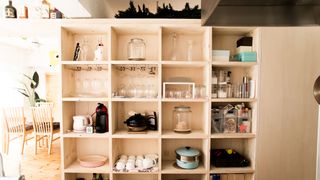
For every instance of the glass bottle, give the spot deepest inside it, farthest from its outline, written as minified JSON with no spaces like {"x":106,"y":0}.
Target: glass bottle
{"x":98,"y":53}
{"x":23,"y":11}
{"x":10,"y":11}
{"x":45,"y":9}
{"x":189,"y":53}
{"x":182,"y":119}
{"x":174,"y":48}
{"x":84,"y":49}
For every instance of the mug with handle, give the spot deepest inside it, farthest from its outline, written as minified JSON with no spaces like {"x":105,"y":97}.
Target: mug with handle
{"x":148,"y":163}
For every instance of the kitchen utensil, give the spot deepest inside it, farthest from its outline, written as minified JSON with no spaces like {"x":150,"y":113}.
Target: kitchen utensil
{"x":81,"y":122}
{"x":148,"y":163}
{"x":136,"y":123}
{"x":102,"y":123}
{"x":91,"y":161}
{"x":187,"y":157}
{"x":182,"y":119}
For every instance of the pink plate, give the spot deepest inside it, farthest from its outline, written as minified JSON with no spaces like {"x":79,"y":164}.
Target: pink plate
{"x":92,"y":161}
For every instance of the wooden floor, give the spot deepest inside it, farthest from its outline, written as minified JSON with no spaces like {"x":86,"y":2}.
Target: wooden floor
{"x":41,"y":166}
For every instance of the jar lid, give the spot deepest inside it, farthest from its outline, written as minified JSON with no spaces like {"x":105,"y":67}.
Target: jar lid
{"x":187,"y":151}
{"x":182,"y":108}
{"x":136,"y":39}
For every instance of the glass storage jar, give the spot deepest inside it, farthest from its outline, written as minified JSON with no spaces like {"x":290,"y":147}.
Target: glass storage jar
{"x":182,"y":116}
{"x":136,"y":49}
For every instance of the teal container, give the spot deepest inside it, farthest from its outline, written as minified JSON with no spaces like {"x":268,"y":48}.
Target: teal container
{"x":247,"y":57}
{"x":187,"y":157}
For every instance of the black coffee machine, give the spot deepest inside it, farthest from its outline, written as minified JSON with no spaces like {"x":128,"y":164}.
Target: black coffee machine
{"x":102,"y":123}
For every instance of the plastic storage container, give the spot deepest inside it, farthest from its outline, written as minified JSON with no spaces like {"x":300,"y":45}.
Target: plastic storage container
{"x":216,"y":121}
{"x":230,"y":122}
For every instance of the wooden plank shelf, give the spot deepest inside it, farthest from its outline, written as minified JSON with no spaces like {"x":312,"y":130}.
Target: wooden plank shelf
{"x":85,"y":99}
{"x":85,"y":135}
{"x":136,"y":135}
{"x":233,"y":135}
{"x":233,"y":64}
{"x":169,"y":167}
{"x":128,"y":62}
{"x":233,"y":100}
{"x":195,"y":134}
{"x":76,"y":168}
{"x":104,"y":62}
{"x":168,"y":64}
{"x":183,"y":100}
{"x":232,"y":170}
{"x":116,"y":99}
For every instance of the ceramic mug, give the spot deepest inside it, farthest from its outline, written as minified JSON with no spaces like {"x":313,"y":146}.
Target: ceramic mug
{"x":139,"y":163}
{"x":124,"y":157}
{"x":140,"y":157}
{"x":148,"y":163}
{"x":152,"y":156}
{"x":132,"y":157}
{"x":120,"y":165}
{"x":130,"y":165}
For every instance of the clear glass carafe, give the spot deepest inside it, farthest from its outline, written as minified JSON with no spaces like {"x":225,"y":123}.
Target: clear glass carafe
{"x":182,"y":116}
{"x":136,"y":49}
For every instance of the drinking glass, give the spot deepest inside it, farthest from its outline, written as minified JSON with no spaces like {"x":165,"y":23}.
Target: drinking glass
{"x":84,"y":49}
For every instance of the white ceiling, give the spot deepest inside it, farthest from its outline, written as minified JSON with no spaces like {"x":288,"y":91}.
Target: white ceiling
{"x":108,"y":8}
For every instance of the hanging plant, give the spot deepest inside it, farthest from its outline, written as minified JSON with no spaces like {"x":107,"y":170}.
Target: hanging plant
{"x":28,"y":88}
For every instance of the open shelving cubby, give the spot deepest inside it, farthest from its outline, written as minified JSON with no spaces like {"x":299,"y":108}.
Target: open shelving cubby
{"x":87,"y":82}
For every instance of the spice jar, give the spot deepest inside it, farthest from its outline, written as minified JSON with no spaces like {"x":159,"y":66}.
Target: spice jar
{"x":136,"y":49}
{"x":182,"y":119}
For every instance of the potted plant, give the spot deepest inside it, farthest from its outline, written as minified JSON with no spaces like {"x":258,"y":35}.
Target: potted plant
{"x":28,"y":89}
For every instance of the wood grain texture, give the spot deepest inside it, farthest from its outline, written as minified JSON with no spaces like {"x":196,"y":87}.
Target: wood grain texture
{"x":288,"y":112}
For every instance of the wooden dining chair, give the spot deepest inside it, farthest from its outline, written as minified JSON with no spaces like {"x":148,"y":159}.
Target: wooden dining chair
{"x":15,"y":125}
{"x":43,"y":125}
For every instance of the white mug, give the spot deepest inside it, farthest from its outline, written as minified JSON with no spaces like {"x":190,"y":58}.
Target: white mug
{"x":139,"y":163}
{"x":148,"y":163}
{"x":140,"y":157}
{"x":132,"y":157}
{"x":152,"y":156}
{"x":124,"y":157}
{"x":120,"y":165}
{"x":130,"y":165}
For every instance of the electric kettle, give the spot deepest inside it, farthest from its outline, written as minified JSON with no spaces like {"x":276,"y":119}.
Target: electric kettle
{"x":80,"y":122}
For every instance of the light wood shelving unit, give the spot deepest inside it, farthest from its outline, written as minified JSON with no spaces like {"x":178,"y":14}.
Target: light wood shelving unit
{"x":115,"y":35}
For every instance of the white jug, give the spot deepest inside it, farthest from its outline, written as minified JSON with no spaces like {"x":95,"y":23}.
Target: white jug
{"x":81,"y":122}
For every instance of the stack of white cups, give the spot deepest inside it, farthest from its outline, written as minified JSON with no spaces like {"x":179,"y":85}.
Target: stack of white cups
{"x":140,"y":162}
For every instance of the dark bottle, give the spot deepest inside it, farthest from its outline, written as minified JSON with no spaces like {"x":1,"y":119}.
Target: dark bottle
{"x":76,"y":52}
{"x":11,"y":11}
{"x":101,"y":118}
{"x":100,"y":177}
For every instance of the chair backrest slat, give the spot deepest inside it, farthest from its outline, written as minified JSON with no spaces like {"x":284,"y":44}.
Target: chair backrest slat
{"x":14,"y":119}
{"x":42,"y":119}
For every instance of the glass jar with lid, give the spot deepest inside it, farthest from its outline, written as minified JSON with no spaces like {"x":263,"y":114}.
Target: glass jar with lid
{"x":182,"y":116}
{"x":136,"y":49}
